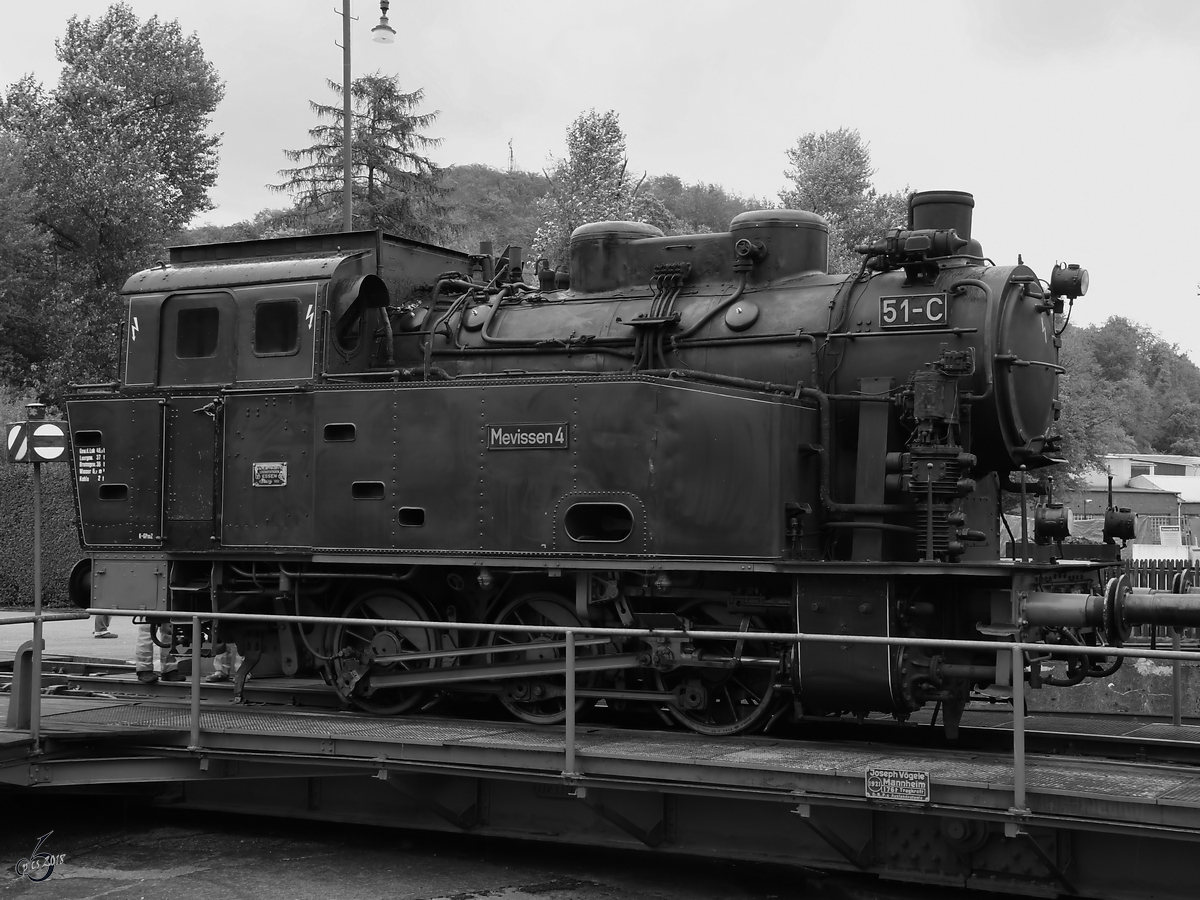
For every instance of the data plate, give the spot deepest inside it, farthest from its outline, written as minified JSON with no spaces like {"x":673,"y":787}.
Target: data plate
{"x":914,"y":311}
{"x":898,"y":784}
{"x":268,"y":474}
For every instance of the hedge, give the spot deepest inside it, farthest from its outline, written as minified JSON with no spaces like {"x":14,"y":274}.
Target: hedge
{"x":60,"y":540}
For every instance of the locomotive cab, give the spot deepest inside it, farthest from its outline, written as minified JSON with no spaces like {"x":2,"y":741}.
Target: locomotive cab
{"x":207,"y":327}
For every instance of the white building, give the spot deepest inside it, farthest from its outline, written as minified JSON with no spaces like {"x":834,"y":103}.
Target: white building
{"x":1163,"y":490}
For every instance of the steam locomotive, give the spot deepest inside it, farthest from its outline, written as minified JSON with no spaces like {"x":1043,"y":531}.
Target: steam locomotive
{"x":684,"y":432}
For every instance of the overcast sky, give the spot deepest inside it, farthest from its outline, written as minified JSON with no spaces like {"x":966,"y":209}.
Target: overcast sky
{"x":1074,"y":124}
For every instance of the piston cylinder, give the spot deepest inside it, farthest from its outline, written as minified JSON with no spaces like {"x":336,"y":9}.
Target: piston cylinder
{"x":1064,"y":610}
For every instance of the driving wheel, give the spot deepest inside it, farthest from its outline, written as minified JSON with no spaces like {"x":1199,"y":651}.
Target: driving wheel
{"x":364,"y":652}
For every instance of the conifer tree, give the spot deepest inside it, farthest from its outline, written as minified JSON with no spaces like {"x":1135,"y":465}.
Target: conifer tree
{"x":394,"y":185}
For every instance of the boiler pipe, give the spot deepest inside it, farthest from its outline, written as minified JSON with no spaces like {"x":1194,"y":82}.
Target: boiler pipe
{"x":708,"y":316}
{"x":822,"y":451}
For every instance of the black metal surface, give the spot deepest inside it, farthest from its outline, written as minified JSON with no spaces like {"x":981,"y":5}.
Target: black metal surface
{"x":123,"y":450}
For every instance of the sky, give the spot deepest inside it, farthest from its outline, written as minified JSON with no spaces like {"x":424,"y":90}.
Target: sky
{"x":1074,"y":124}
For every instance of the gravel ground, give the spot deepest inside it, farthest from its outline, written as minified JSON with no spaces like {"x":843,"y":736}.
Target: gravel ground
{"x":120,"y":850}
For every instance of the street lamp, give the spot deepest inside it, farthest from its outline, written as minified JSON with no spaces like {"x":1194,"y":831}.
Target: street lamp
{"x":384,"y":34}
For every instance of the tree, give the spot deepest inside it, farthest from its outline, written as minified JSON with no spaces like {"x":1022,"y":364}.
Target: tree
{"x":117,"y":158}
{"x":264,"y":224}
{"x":23,"y":259}
{"x":592,"y":184}
{"x":487,"y":204}
{"x":831,"y":176}
{"x":120,"y":150}
{"x":393,"y":186}
{"x":1179,"y":432}
{"x":700,"y":208}
{"x":1126,"y":390}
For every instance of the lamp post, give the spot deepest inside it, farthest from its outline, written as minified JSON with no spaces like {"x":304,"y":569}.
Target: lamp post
{"x":383,"y":33}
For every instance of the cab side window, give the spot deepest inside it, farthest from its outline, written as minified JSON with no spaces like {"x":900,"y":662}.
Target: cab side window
{"x":276,"y":327}
{"x":196,"y":333}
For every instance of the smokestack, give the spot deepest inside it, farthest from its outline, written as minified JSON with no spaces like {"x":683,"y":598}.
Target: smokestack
{"x":941,"y":209}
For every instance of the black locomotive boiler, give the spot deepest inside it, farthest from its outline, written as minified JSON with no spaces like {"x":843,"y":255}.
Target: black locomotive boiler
{"x":682,"y":432}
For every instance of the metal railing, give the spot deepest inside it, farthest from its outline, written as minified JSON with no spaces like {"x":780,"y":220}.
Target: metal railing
{"x":572,"y":633}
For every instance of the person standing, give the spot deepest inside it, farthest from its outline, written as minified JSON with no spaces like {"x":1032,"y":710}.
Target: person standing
{"x":100,"y":627}
{"x":225,"y":665}
{"x":143,"y":655}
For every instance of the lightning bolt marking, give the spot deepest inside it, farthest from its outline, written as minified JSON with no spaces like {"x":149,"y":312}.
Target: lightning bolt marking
{"x":133,"y":329}
{"x":309,"y":316}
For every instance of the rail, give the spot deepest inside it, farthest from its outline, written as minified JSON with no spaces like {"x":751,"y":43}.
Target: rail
{"x":570,"y":634}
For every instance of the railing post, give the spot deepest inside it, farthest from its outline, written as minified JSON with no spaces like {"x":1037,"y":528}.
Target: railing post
{"x":1176,"y":686}
{"x":195,"y":740}
{"x":35,"y":682}
{"x":1018,"y":681}
{"x":569,"y":768}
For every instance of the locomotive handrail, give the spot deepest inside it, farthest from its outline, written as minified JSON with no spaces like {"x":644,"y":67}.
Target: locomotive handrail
{"x":99,"y":385}
{"x":851,"y":335}
{"x":1013,"y":360}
